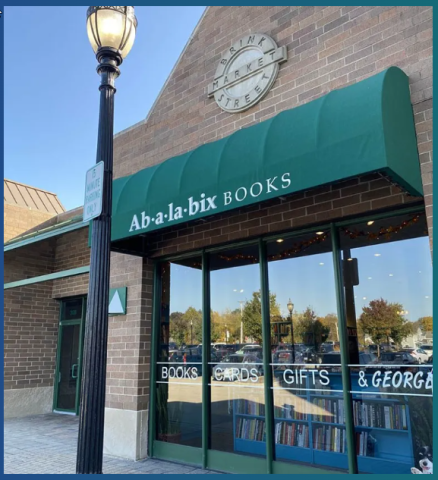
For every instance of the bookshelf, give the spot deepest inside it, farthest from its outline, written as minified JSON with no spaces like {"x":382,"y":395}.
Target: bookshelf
{"x":382,"y":429}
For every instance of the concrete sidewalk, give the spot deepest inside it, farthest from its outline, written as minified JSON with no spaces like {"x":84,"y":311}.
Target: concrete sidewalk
{"x":45,"y":444}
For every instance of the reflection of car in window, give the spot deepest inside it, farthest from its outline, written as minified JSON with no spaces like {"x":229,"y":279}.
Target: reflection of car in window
{"x":238,"y":367}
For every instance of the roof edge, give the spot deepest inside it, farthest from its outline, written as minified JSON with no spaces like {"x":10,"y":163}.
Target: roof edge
{"x":142,"y":122}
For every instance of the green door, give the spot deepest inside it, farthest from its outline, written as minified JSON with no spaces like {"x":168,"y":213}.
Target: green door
{"x":69,"y":358}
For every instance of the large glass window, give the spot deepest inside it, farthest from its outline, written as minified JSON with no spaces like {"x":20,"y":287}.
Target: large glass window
{"x":379,"y":301}
{"x":237,"y":380}
{"x":388,"y":295}
{"x":307,"y":382}
{"x":179,"y":365}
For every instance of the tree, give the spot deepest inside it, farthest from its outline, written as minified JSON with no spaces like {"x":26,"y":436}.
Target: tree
{"x":425,"y":323}
{"x":252,"y":315}
{"x":193,"y":319}
{"x":311,"y":329}
{"x":331,"y":321}
{"x":177,"y":327}
{"x":382,"y":320}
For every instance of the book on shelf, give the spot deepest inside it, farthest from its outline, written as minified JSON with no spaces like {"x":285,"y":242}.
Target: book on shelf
{"x":292,"y":434}
{"x":330,"y":410}
{"x":248,"y":407}
{"x":329,"y":439}
{"x":365,"y":444}
{"x":380,"y":415}
{"x":251,"y":429}
{"x":289,"y":412}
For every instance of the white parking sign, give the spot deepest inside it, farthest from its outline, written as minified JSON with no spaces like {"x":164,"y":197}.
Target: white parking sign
{"x":93,"y":192}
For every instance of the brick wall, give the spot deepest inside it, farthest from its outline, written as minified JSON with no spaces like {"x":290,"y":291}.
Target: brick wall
{"x":71,"y":251}
{"x":328,"y":48}
{"x":30,"y":336}
{"x":31,"y":313}
{"x":129,"y":336}
{"x":314,"y":207}
{"x":20,"y":219}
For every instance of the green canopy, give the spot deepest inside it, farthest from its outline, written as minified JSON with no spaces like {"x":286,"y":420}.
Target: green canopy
{"x":363,"y":128}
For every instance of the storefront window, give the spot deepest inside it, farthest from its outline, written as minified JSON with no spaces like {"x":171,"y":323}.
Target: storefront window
{"x":306,"y":361}
{"x":387,"y":275}
{"x":179,"y":365}
{"x":381,"y":306}
{"x":237,"y":379}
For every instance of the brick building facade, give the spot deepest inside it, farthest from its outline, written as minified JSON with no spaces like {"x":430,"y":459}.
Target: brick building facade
{"x":328,"y":48}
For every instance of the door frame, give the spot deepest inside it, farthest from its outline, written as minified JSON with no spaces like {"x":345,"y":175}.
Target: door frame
{"x":215,"y":460}
{"x":65,"y":323}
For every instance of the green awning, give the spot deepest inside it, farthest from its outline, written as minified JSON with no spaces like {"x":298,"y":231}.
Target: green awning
{"x":363,"y":128}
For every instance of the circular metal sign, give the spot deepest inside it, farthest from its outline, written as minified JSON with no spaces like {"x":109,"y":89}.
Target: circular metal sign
{"x":246,"y":72}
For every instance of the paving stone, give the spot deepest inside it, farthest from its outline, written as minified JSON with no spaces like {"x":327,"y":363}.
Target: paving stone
{"x":46,"y":444}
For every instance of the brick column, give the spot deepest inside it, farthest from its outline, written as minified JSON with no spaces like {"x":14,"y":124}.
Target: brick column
{"x":127,"y":393}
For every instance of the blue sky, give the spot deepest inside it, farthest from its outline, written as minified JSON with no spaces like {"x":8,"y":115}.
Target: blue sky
{"x":51,"y":89}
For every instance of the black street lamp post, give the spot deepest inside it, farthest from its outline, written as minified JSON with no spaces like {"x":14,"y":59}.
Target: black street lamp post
{"x":290,"y":307}
{"x":111,"y":31}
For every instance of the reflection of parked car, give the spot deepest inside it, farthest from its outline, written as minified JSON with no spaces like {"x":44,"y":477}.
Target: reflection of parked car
{"x":428,"y":348}
{"x":254,"y":348}
{"x":327,"y":347}
{"x":283,"y":359}
{"x":430,"y":360}
{"x":238,"y":366}
{"x":418,"y":353}
{"x":398,"y":358}
{"x":310,"y":355}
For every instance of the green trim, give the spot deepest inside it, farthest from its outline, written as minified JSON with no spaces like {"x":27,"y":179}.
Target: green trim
{"x":267,"y":371}
{"x":81,"y":349}
{"x":58,"y":358}
{"x":44,"y":236}
{"x":233,"y":463}
{"x":282,"y":468}
{"x":343,"y":343}
{"x":45,"y":278}
{"x":206,"y":347}
{"x":65,"y":323}
{"x":178,"y":453}
{"x":154,"y":344}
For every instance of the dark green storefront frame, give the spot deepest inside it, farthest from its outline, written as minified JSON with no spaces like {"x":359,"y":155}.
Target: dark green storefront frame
{"x":215,"y":460}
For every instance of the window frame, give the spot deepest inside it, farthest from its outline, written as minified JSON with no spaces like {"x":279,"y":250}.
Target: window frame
{"x":210,"y":459}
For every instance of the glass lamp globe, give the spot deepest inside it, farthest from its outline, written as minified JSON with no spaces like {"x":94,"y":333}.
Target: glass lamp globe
{"x":112,"y":27}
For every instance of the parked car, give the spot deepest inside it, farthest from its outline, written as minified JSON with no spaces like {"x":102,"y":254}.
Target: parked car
{"x":398,"y":358}
{"x":418,"y":353}
{"x":430,"y":360}
{"x":238,"y":367}
{"x":334,"y":358}
{"x":428,"y":348}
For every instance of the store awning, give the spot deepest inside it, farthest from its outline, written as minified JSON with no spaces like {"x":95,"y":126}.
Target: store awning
{"x":363,"y":128}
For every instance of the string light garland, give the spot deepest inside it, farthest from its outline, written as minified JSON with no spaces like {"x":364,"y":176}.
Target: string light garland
{"x":298,"y":247}
{"x":384,"y":232}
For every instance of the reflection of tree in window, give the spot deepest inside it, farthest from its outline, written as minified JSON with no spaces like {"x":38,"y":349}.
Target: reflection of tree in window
{"x":383,"y":322}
